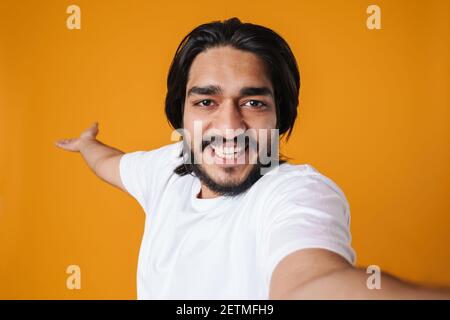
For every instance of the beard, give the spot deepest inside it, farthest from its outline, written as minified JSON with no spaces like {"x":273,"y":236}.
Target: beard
{"x":227,"y":189}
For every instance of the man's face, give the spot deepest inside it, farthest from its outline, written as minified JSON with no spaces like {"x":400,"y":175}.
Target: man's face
{"x":228,"y":92}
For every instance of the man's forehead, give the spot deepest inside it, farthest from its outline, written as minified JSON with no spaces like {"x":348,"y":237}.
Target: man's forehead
{"x":227,"y":55}
{"x":228,"y":67}
{"x":217,"y":84}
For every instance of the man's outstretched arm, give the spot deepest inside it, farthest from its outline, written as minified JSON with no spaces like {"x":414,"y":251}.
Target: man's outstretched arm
{"x":102,"y":159}
{"x":322,"y":274}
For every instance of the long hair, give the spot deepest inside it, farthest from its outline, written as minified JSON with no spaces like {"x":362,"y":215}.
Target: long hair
{"x":270,"y":47}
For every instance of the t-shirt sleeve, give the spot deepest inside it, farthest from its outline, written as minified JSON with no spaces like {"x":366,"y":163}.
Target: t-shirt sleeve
{"x":307,"y":212}
{"x":134,"y":175}
{"x":144,"y":173}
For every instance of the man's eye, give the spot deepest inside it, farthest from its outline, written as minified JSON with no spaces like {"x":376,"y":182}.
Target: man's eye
{"x":255,"y":104}
{"x":204,"y":103}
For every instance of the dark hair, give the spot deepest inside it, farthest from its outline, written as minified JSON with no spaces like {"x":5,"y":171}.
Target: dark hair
{"x":264,"y":42}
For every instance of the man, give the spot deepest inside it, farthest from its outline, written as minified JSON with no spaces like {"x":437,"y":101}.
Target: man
{"x":216,"y":226}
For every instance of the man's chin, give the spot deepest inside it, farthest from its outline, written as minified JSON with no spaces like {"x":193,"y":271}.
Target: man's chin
{"x":228,"y":180}
{"x":228,"y":174}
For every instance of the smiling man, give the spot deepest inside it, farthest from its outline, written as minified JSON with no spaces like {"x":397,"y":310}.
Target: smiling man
{"x":225,"y":218}
{"x":231,"y":98}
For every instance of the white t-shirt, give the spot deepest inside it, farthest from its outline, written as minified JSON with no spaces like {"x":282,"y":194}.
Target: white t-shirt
{"x":227,"y":247}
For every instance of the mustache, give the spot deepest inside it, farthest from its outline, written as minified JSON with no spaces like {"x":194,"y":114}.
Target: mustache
{"x":240,"y":140}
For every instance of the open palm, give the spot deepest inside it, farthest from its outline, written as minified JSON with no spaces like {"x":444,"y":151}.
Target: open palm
{"x":74,"y":144}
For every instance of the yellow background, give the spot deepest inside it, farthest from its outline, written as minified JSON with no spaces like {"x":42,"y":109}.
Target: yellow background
{"x":374,"y":115}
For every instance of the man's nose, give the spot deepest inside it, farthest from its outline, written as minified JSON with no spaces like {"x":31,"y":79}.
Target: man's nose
{"x":229,"y":120}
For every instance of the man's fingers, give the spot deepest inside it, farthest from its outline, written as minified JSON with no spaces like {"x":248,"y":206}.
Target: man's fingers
{"x":66,"y":144}
{"x":64,"y":141}
{"x":94,"y":128}
{"x":73,"y":144}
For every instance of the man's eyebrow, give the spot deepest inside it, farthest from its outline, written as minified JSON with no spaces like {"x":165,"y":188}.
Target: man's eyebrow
{"x":215,"y":90}
{"x":256,"y":91}
{"x":206,"y":90}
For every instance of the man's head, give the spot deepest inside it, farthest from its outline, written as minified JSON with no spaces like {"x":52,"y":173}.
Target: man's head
{"x":236,"y":82}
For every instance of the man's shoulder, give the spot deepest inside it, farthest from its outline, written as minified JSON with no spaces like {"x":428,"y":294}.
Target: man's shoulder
{"x":168,"y":153}
{"x":291,"y":187}
{"x":158,"y":161}
{"x":299,"y":180}
{"x":287,"y":172}
{"x":172,"y":150}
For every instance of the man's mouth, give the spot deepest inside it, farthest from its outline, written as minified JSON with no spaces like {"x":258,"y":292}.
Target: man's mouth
{"x":228,"y":151}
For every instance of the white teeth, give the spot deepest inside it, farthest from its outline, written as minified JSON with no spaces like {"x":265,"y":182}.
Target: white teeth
{"x":227,"y":152}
